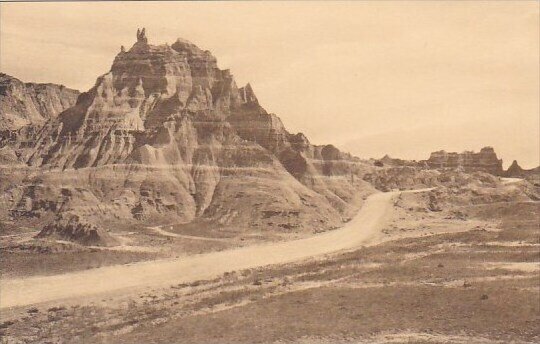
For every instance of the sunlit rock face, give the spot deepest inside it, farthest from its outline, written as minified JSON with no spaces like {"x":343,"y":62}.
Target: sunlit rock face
{"x":167,"y":136}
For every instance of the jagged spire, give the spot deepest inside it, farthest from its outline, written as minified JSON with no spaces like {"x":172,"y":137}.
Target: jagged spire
{"x":247,"y":94}
{"x":141,"y":35}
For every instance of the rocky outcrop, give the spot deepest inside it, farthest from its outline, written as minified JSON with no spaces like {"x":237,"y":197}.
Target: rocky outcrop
{"x":24,"y":109}
{"x":72,"y":227}
{"x":167,"y":136}
{"x":485,"y":161}
{"x":389,"y":161}
{"x":403,"y":178}
{"x":448,"y":182}
{"x":516,"y":171}
{"x":23,"y":104}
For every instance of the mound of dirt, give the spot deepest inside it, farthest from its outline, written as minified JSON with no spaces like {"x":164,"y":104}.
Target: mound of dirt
{"x":73,"y":228}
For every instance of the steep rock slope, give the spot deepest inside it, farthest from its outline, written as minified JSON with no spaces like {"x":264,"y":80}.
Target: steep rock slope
{"x":24,"y":109}
{"x":166,"y":136}
{"x":23,"y":104}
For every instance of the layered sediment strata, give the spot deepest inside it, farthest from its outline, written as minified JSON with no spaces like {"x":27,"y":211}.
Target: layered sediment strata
{"x":484,"y":161}
{"x":23,"y":104}
{"x":24,"y":109}
{"x":166,"y":136}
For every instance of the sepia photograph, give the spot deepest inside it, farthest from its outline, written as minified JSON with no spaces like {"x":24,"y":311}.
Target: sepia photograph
{"x":270,"y":172}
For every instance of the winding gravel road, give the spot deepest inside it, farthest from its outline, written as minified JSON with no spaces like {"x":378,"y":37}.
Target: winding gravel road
{"x":362,"y":229}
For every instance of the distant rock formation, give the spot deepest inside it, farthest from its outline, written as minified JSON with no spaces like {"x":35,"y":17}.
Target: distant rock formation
{"x":484,"y":161}
{"x":23,"y":104}
{"x":515,"y":171}
{"x":167,"y":136}
{"x":24,"y":109}
{"x":389,"y":161}
{"x":402,"y":177}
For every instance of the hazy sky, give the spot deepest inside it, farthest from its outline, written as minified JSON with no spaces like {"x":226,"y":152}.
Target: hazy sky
{"x":403,"y":78}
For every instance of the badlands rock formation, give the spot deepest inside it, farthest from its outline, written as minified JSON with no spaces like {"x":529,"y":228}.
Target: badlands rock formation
{"x":516,"y":171}
{"x":72,"y":227}
{"x":485,"y":161}
{"x":403,"y":178}
{"x":23,"y":104}
{"x":24,"y":109}
{"x":167,"y":137}
{"x":395,"y":162}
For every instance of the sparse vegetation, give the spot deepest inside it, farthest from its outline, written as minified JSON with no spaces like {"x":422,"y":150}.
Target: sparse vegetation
{"x":437,"y":285}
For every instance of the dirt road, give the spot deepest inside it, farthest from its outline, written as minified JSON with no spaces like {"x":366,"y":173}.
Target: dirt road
{"x":159,"y":230}
{"x":362,"y":229}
